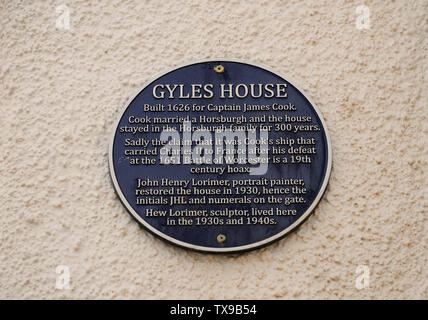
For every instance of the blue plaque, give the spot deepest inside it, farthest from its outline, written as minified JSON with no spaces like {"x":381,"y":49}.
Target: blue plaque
{"x":220,"y":156}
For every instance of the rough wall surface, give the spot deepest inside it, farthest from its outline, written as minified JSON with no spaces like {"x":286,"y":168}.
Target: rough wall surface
{"x":61,"y":90}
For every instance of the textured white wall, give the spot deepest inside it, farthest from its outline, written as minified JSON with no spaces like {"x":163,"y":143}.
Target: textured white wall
{"x":61,"y":90}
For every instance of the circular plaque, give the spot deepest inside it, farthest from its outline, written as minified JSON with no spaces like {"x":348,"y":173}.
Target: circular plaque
{"x":220,"y":156}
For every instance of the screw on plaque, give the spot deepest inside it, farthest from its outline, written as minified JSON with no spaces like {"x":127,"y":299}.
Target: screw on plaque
{"x":219,"y":68}
{"x":221,"y":238}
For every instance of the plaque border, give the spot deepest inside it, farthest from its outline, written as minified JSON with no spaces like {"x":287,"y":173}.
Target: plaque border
{"x":255,"y":245}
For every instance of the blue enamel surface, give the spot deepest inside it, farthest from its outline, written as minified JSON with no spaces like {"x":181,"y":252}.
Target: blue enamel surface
{"x":235,"y":73}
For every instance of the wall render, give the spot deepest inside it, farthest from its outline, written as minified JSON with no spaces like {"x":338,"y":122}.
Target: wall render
{"x":61,"y":91}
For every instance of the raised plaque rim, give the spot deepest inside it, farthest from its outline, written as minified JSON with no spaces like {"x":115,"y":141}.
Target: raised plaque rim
{"x":248,"y":247}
